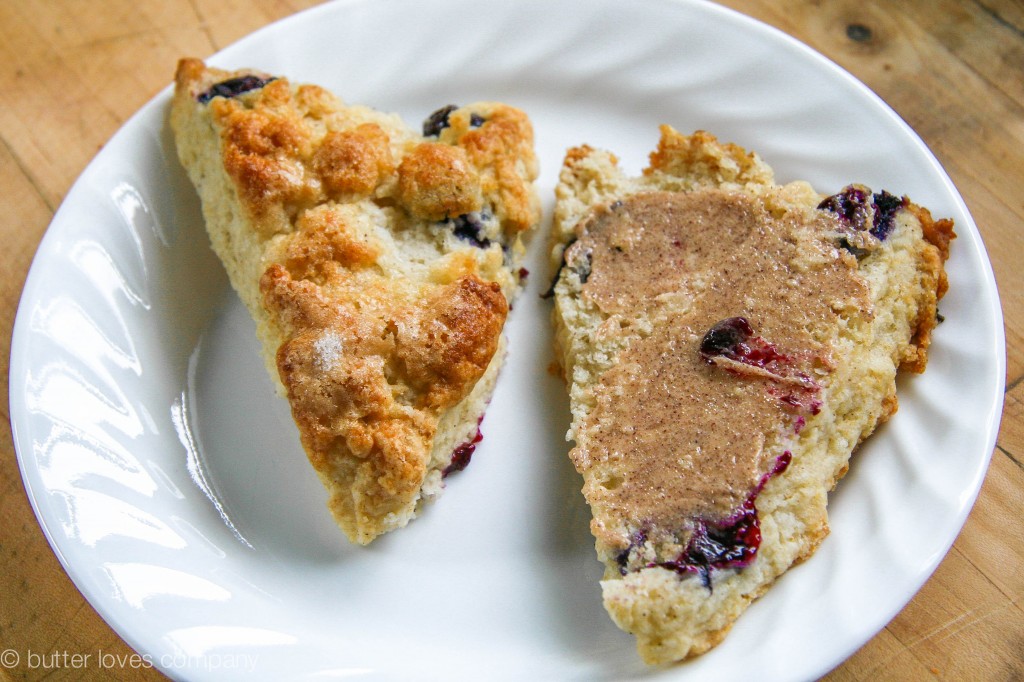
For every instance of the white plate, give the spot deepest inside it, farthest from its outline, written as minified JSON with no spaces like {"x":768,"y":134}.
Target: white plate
{"x":168,"y":477}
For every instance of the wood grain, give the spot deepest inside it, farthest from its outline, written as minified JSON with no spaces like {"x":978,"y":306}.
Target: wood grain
{"x":73,"y":71}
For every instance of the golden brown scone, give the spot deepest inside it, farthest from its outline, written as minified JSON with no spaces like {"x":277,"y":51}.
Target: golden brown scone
{"x":728,"y":342}
{"x":378,"y":263}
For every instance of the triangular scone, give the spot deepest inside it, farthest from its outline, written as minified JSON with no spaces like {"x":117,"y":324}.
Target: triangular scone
{"x":378,"y":263}
{"x":728,"y":342}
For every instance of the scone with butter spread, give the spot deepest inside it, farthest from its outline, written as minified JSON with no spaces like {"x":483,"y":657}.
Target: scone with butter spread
{"x":378,"y":262}
{"x":728,"y":342}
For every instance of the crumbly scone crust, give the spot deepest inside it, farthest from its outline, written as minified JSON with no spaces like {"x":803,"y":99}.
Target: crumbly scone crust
{"x":334,"y":222}
{"x":676,"y":616}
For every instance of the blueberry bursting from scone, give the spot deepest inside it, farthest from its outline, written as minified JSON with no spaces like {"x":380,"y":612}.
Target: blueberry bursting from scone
{"x":378,"y":263}
{"x":728,"y":342}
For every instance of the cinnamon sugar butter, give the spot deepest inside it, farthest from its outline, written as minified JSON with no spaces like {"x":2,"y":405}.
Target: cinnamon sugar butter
{"x":678,"y":437}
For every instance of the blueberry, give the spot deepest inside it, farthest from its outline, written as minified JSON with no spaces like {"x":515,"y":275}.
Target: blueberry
{"x":726,"y":337}
{"x":438,"y":121}
{"x":470,"y":227}
{"x":463,"y":453}
{"x":857,"y":209}
{"x":637,"y":539}
{"x":858,"y":253}
{"x":476,"y":120}
{"x":233,"y":87}
{"x":460,"y":458}
{"x":852,"y":205}
{"x":561,"y":266}
{"x":886,"y":207}
{"x":730,"y":543}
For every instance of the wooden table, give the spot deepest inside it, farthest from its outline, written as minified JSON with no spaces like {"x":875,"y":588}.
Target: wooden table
{"x":71,"y":72}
